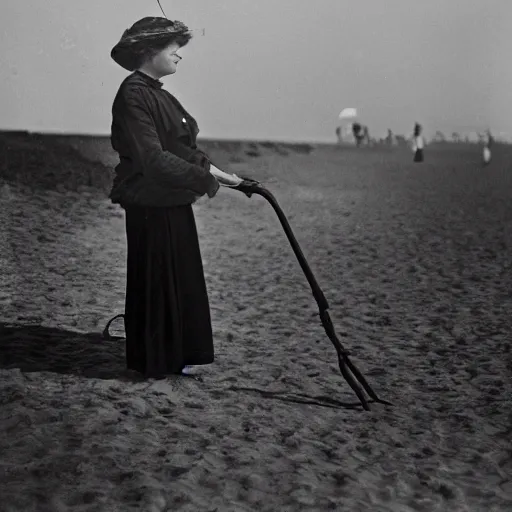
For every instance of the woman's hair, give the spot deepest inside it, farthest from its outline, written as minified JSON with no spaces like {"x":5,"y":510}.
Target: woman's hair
{"x":417,"y":129}
{"x":146,"y":51}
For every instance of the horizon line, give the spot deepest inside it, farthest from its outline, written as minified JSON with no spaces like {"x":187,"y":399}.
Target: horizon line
{"x":498,"y":137}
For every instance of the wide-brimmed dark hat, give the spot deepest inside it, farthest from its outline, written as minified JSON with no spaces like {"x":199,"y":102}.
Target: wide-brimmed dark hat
{"x":143,"y":33}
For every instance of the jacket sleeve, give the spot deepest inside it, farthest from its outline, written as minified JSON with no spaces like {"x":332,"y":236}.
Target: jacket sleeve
{"x":158,"y":164}
{"x":190,"y":155}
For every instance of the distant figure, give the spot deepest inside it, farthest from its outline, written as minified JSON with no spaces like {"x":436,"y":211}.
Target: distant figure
{"x":338,"y":134}
{"x":417,"y":143}
{"x":486,"y":156}
{"x":361,"y":134}
{"x":366,"y":135}
{"x":356,"y":131}
{"x":389,"y":138}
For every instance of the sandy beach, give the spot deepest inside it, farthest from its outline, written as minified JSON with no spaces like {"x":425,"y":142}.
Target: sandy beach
{"x":415,"y":261}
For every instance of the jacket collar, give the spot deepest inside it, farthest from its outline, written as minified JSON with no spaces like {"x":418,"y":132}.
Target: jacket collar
{"x":152,"y":82}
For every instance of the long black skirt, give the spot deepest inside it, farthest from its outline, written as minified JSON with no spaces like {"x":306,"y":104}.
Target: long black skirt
{"x":167,"y":313}
{"x":418,"y":155}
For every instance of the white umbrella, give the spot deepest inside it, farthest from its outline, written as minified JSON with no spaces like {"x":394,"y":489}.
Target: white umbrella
{"x":348,"y":113}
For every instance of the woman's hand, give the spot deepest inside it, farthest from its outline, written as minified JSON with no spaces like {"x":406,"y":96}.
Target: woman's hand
{"x":224,"y":178}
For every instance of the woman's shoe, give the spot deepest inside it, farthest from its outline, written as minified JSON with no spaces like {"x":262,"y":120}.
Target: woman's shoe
{"x":188,"y":371}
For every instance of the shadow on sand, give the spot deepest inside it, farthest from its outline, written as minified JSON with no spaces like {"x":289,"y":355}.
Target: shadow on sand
{"x":34,"y":348}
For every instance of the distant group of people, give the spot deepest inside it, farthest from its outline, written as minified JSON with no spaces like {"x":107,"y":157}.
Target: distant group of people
{"x":361,"y":135}
{"x":418,"y":145}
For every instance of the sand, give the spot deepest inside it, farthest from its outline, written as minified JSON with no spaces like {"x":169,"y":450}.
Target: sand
{"x":415,"y":262}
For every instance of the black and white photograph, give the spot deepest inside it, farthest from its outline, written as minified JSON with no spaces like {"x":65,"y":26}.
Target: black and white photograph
{"x":256,"y":256}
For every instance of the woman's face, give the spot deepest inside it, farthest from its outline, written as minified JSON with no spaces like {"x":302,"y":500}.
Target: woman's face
{"x":166,"y":61}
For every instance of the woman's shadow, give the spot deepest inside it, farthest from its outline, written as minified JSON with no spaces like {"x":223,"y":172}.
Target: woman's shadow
{"x":34,"y":348}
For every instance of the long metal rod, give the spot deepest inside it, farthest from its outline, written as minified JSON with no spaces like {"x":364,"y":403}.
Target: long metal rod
{"x":347,"y":367}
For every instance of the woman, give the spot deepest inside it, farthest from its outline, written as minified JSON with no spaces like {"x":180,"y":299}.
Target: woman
{"x":486,"y":155}
{"x":418,"y":143}
{"x":160,"y":175}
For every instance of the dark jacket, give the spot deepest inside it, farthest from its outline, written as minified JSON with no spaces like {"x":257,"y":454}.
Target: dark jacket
{"x":155,"y":137}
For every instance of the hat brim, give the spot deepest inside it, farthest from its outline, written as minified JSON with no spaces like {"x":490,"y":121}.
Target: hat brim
{"x":124,"y":57}
{"x":124,"y":52}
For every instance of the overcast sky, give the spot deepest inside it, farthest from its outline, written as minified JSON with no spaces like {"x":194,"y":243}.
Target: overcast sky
{"x":269,"y":69}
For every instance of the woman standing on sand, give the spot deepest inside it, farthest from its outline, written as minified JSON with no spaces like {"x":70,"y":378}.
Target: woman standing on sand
{"x":417,"y":143}
{"x":160,"y":175}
